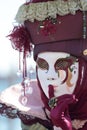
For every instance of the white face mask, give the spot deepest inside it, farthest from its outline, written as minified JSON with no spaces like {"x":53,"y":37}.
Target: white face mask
{"x":50,"y":72}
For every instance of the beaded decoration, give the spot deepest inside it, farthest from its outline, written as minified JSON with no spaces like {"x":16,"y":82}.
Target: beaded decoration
{"x":84,"y":25}
{"x":21,"y":41}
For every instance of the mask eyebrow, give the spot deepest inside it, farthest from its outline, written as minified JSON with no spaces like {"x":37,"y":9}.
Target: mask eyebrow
{"x":42,"y":63}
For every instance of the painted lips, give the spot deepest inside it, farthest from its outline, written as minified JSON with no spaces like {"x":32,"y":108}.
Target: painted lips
{"x":51,"y":89}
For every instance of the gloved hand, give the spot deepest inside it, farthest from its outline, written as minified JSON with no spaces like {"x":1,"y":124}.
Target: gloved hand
{"x":60,"y":115}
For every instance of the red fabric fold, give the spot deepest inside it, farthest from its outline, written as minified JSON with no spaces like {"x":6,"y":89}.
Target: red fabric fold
{"x":60,"y":114}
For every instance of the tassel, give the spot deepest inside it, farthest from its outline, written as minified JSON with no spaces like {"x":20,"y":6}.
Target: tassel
{"x":21,"y":41}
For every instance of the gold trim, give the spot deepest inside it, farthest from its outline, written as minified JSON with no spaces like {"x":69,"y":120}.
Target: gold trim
{"x":85,"y":52}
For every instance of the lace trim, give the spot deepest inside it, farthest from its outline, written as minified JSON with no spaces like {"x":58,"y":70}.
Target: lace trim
{"x":8,"y":111}
{"x":42,"y":10}
{"x":12,"y":113}
{"x":77,"y":124}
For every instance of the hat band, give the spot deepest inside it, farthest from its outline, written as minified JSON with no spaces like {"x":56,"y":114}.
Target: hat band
{"x":73,"y":47}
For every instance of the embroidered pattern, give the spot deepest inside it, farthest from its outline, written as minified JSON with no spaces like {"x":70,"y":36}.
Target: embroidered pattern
{"x":77,"y":124}
{"x":42,"y":10}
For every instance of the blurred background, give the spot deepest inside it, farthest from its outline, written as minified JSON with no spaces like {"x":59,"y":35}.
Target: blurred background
{"x":9,"y":57}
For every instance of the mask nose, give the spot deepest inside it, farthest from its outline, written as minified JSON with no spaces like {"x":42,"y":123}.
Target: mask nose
{"x":50,"y":78}
{"x":51,"y":74}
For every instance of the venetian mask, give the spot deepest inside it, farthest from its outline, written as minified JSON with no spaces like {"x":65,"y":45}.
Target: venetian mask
{"x":58,"y":69}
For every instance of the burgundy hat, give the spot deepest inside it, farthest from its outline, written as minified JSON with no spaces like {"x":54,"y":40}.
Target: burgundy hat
{"x":52,"y":25}
{"x":64,"y":35}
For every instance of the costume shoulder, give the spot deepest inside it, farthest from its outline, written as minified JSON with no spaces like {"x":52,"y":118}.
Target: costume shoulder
{"x":12,"y":98}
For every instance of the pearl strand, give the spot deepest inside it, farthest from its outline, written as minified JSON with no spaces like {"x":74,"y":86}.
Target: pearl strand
{"x":84,"y":25}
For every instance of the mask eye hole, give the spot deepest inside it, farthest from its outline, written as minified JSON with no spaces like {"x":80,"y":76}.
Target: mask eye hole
{"x":61,"y":64}
{"x":42,"y":64}
{"x":64,"y":63}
